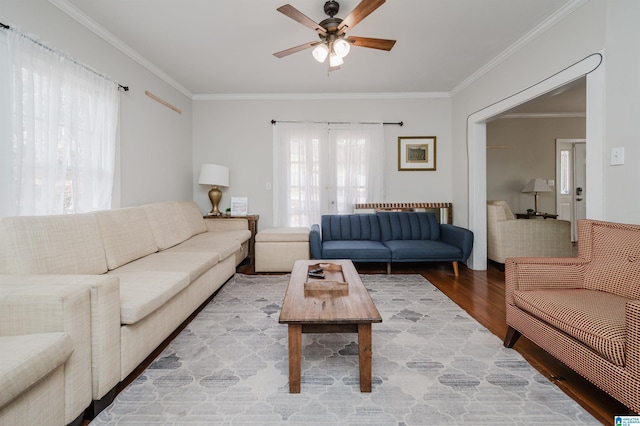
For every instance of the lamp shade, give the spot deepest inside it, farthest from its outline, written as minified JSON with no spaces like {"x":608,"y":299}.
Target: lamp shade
{"x":320,"y":52}
{"x":536,"y":185}
{"x":212,"y":174}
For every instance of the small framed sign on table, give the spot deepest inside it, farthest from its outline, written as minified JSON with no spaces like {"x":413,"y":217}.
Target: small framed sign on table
{"x":239,"y":206}
{"x":416,"y":153}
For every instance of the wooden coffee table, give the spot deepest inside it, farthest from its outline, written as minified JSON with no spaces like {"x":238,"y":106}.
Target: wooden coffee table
{"x":328,"y":311}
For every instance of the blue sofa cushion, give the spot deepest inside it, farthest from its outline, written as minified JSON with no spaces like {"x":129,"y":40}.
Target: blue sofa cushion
{"x":409,"y":226}
{"x":350,"y":227}
{"x":357,"y":250}
{"x":419,"y":250}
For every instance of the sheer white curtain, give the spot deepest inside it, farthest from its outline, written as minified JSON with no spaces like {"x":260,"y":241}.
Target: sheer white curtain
{"x":63,"y":132}
{"x":357,"y":165}
{"x":322,"y":168}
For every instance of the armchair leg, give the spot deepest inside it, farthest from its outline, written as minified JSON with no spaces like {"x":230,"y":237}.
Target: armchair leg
{"x":511,"y":337}
{"x":455,"y":268}
{"x":388,"y":268}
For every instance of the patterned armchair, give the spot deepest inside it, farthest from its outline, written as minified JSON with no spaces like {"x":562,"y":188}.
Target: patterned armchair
{"x":584,"y":311}
{"x":509,"y":237}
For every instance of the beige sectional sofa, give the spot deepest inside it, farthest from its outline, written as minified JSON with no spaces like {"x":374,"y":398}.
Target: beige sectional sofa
{"x":45,"y":354}
{"x":146,"y":268}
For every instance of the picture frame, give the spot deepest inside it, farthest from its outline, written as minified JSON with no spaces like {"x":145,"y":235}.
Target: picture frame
{"x":416,"y":153}
{"x":239,"y":206}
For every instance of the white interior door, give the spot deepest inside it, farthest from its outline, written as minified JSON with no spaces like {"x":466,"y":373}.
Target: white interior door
{"x":571,"y":181}
{"x":580,"y":181}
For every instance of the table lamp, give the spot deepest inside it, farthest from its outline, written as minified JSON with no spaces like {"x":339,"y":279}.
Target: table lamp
{"x":536,"y":185}
{"x":214,"y":175}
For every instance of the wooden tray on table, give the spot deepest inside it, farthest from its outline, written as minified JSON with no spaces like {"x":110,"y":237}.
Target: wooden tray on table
{"x":333,"y":278}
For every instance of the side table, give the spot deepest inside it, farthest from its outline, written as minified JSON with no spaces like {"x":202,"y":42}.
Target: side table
{"x":252,"y":222}
{"x":536,"y":215}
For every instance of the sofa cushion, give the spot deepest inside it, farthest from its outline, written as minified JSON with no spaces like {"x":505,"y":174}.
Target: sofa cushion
{"x":212,"y":242}
{"x":193,"y":263}
{"x":126,"y":234}
{"x":357,"y":250}
{"x":142,"y":292}
{"x":168,"y":223}
{"x":27,"y":359}
{"x":350,"y":227}
{"x":595,"y":318}
{"x":57,"y":244}
{"x":193,"y":216}
{"x":419,"y":250}
{"x":615,"y":263}
{"x":409,"y":226}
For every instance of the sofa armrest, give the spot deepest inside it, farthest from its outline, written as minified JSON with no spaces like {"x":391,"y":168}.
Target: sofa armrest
{"x":531,"y":273}
{"x":530,"y":238}
{"x":315,"y":242}
{"x":31,"y":309}
{"x":632,"y":357}
{"x":459,"y":237}
{"x":231,"y":224}
{"x":105,"y":321}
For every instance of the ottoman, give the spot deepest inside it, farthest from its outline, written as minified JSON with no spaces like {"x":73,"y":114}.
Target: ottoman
{"x":277,"y":249}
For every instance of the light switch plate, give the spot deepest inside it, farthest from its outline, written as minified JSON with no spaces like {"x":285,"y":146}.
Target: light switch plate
{"x":617,"y":156}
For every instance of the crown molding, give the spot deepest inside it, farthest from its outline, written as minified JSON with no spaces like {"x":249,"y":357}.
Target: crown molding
{"x":318,"y":96}
{"x":552,"y":20}
{"x":107,"y":36}
{"x":546,"y":115}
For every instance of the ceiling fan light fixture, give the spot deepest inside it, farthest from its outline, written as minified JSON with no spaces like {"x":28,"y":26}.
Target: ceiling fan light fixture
{"x":341,"y":47}
{"x":320,"y":52}
{"x":335,"y":60}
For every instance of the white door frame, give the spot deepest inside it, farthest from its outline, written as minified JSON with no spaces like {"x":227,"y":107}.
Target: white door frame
{"x":570,"y":198}
{"x":477,"y":146}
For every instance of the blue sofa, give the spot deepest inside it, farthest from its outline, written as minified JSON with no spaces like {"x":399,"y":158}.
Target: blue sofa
{"x":390,"y":237}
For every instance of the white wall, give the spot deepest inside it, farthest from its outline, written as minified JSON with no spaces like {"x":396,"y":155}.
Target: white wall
{"x":155,"y":153}
{"x":239,"y":134}
{"x":576,"y":37}
{"x":622,"y":100}
{"x":530,"y":153}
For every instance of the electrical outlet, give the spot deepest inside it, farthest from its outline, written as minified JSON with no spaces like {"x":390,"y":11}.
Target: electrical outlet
{"x":551,"y":182}
{"x":267,"y":186}
{"x":617,"y":156}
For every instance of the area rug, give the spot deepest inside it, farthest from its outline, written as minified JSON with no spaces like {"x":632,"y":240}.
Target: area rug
{"x":432,"y":365}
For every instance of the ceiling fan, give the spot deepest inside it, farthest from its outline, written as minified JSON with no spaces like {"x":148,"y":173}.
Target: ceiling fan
{"x":334,"y":42}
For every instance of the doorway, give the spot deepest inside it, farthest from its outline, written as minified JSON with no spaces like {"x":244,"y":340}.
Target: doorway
{"x":477,"y":142}
{"x":571,"y":175}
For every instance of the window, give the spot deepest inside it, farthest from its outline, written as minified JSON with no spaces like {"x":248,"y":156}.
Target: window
{"x":325,"y":168}
{"x":61,"y":137}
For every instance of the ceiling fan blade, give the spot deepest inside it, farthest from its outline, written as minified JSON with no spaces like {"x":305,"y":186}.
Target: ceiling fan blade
{"x":361,"y":11}
{"x":373,"y":43}
{"x":291,"y":50}
{"x":296,"y":15}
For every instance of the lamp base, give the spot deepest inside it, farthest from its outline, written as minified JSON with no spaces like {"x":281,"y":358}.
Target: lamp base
{"x":215,"y":195}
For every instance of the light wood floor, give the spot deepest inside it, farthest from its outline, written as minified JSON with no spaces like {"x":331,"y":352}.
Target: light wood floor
{"x":481,"y":295}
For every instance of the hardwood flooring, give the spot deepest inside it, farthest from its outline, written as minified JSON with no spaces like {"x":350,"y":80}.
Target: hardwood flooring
{"x":481,"y":295}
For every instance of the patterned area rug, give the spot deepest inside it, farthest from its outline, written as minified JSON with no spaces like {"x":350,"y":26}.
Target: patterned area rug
{"x":432,"y":364}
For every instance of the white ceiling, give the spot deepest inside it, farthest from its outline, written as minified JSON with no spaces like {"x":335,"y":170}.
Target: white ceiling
{"x":214,"y":47}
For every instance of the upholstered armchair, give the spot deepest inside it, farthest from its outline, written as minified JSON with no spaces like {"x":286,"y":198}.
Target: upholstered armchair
{"x":585,"y":311}
{"x":510,"y":237}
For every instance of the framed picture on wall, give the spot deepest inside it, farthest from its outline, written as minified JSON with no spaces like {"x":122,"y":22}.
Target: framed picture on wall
{"x":416,"y":153}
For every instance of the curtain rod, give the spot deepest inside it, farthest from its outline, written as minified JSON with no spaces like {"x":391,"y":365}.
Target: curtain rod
{"x":400,"y":123}
{"x":7,"y":27}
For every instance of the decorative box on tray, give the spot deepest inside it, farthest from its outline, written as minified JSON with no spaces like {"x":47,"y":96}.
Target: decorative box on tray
{"x":325,"y":276}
